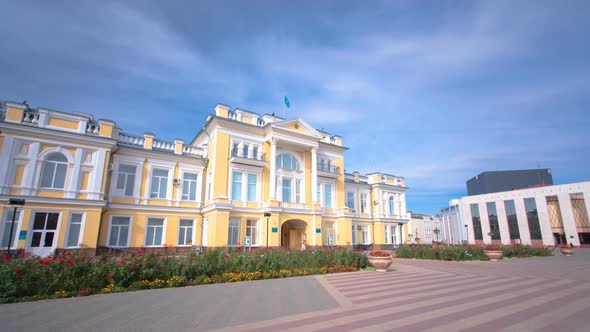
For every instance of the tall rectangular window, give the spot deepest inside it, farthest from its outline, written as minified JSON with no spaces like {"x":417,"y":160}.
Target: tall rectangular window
{"x":493,"y":219}
{"x":8,"y":225}
{"x":532,"y":216}
{"x":364,"y":207}
{"x":286,"y":190}
{"x":328,"y":195}
{"x":252,"y":179}
{"x":330,"y":238}
{"x":126,"y":179}
{"x":255,"y":152}
{"x":119,"y":232}
{"x":189,"y":187}
{"x":154,"y":232}
{"x":350,"y":201}
{"x":476,"y":220}
{"x":298,"y":191}
{"x":354,"y":234}
{"x":236,"y":186}
{"x":159,"y":184}
{"x":319,"y":193}
{"x":233,"y":234}
{"x":365,"y":234}
{"x":75,"y":226}
{"x":252,"y":231}
{"x":185,"y":232}
{"x":512,"y":219}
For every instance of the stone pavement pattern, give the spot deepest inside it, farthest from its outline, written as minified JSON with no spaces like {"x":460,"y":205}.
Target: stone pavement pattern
{"x":533,"y":294}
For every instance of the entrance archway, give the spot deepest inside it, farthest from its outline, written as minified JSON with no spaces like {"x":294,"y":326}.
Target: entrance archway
{"x":293,"y":234}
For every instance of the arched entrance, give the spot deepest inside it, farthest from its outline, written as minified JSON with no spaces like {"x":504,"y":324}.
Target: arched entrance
{"x":293,"y":234}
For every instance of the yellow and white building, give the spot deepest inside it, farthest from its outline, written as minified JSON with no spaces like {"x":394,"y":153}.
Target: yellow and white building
{"x":243,"y":178}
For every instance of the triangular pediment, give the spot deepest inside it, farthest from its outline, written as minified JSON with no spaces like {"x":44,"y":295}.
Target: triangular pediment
{"x":298,"y":126}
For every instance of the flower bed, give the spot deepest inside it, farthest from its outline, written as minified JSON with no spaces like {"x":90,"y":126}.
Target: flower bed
{"x":462,"y":253}
{"x":33,"y":278}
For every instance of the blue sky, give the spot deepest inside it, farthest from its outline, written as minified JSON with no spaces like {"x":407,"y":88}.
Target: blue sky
{"x":434,"y":91}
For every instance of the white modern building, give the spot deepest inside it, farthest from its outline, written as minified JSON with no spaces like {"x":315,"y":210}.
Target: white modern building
{"x":547,"y":215}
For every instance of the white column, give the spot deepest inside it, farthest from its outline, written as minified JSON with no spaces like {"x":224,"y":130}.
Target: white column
{"x":567,"y":214}
{"x":7,"y":162}
{"x":73,"y":184}
{"x":314,"y":174}
{"x":31,"y":169}
{"x":503,"y":222}
{"x":273,"y":180}
{"x":544,"y":223}
{"x":401,"y":234}
{"x":523,"y":222}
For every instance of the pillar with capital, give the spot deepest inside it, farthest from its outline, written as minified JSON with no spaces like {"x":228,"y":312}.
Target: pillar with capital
{"x":314,"y":175}
{"x":273,"y":176}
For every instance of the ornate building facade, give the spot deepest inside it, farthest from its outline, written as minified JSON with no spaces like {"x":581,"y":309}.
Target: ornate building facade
{"x":243,"y":179}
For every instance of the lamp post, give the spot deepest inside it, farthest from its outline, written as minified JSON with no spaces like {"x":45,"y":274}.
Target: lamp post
{"x":436,"y":231}
{"x":267,"y":215}
{"x":16,"y":202}
{"x":467,"y":233}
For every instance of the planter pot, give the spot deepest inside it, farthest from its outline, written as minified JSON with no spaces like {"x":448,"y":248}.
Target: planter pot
{"x":493,"y":255}
{"x":567,"y":251}
{"x":380,"y":263}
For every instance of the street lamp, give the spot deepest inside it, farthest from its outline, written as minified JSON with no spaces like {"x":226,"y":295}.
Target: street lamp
{"x":467,"y":232}
{"x":267,"y":215}
{"x":16,"y":202}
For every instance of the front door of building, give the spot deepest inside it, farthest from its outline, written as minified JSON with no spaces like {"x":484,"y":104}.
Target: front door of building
{"x":43,"y":237}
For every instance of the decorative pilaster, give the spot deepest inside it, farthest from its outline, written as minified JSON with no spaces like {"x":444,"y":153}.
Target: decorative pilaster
{"x":273,"y":171}
{"x":314,"y":174}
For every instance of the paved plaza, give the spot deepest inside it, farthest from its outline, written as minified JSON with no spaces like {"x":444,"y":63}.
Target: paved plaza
{"x":532,"y":294}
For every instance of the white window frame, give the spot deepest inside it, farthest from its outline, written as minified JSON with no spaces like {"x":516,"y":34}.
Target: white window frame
{"x":256,"y":231}
{"x":159,"y":182}
{"x":239,"y":144}
{"x":130,"y":218}
{"x":196,"y":184}
{"x":147,"y":220}
{"x":193,"y":232}
{"x":245,"y":170}
{"x":162,"y":165}
{"x":82,"y":224}
{"x":8,"y":211}
{"x":229,"y":226}
{"x":368,"y":232}
{"x":353,"y":207}
{"x":364,"y":204}
{"x":355,"y":239}
{"x":138,"y":163}
{"x":56,"y":164}
{"x":122,"y":192}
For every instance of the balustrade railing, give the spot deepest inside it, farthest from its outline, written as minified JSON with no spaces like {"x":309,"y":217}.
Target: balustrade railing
{"x":30,"y":116}
{"x":132,"y":140}
{"x":289,"y":205}
{"x":163,"y":145}
{"x":329,"y":169}
{"x":242,"y":153}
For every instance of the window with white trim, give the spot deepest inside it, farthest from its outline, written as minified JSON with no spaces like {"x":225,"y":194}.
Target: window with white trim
{"x":354,"y":234}
{"x":364,"y":206}
{"x":119,"y":232}
{"x":365,"y":234}
{"x":154,"y":232}
{"x":159,"y":187}
{"x":287,"y":161}
{"x":350,"y":201}
{"x":74,"y":229}
{"x":391,"y":206}
{"x":7,"y":225}
{"x":252,"y":183}
{"x":126,"y":179}
{"x":328,"y":195}
{"x":329,"y":234}
{"x":189,"y":186}
{"x":55,"y":167}
{"x":286,"y":185}
{"x":233,"y":234}
{"x":185,"y":232}
{"x":252,"y":231}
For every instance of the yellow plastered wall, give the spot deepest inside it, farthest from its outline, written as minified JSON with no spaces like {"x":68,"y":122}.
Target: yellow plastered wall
{"x":84,"y":176}
{"x":106,"y":130}
{"x":344,"y":233}
{"x":18,"y":175}
{"x":175,"y":188}
{"x":265,"y":183}
{"x":14,"y":114}
{"x":379,"y":233}
{"x":218,"y":229}
{"x":220,"y":182}
{"x":1,"y":143}
{"x":144,"y":178}
{"x":61,"y":123}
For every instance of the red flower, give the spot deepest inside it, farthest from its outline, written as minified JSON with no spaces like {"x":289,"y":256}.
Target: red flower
{"x":45,"y":272}
{"x":137,"y":259}
{"x":110,"y":276}
{"x":7,"y":257}
{"x":226,"y":256}
{"x":181,"y":264}
{"x":121,"y":262}
{"x":131,"y":268}
{"x":69,"y":262}
{"x":198,"y":266}
{"x":68,"y":253}
{"x":61,"y":261}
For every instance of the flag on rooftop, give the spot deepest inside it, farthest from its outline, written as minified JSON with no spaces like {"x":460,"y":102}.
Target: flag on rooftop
{"x":287,"y":102}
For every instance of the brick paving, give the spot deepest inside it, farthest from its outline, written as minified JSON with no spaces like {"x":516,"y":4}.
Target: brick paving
{"x":532,"y":294}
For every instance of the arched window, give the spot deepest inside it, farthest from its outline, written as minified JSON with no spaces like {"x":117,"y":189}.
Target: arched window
{"x":391,"y":205}
{"x":55,"y":167}
{"x":287,"y":161}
